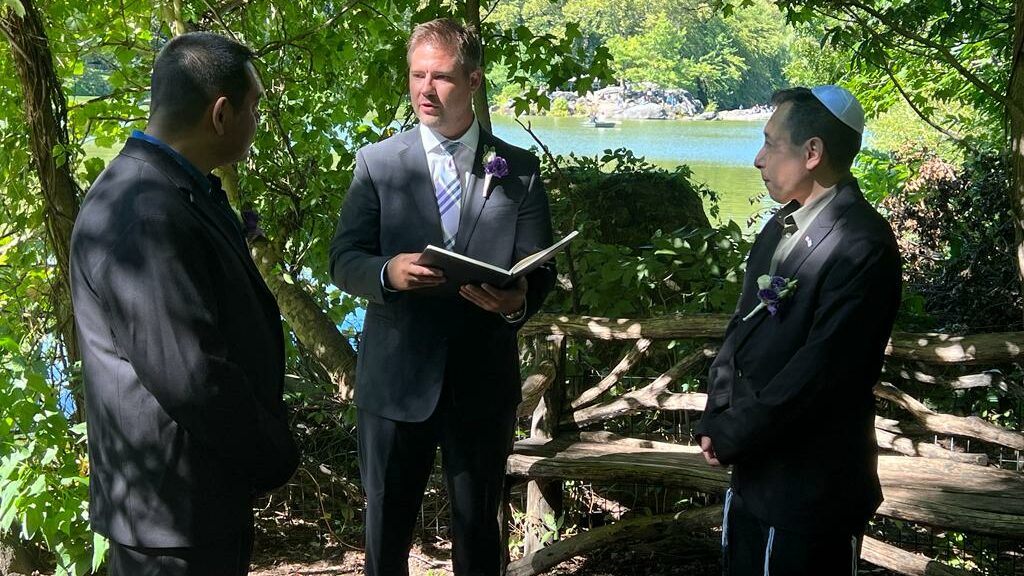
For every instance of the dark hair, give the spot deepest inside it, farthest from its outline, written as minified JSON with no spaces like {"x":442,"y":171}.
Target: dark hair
{"x":447,"y":33}
{"x":808,"y":118}
{"x":193,"y":70}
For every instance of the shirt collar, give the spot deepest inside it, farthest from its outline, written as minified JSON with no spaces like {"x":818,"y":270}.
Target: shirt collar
{"x":795,"y":217}
{"x":202,"y":180}
{"x":432,"y":139}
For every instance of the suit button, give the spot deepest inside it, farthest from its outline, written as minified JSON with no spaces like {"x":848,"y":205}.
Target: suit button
{"x":739,"y":373}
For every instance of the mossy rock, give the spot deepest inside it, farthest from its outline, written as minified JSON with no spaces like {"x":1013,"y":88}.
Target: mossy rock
{"x":628,"y":208}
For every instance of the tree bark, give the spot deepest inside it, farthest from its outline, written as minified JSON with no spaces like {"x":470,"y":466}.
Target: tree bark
{"x":970,"y":426}
{"x":635,"y":354}
{"x":902,"y":562}
{"x":991,"y":348}
{"x":925,"y":490}
{"x":1015,"y":93}
{"x":541,"y":375}
{"x":632,"y":530}
{"x":304,"y":315}
{"x":655,"y":395}
{"x":544,"y":495}
{"x":480,"y":104}
{"x":47,"y":118}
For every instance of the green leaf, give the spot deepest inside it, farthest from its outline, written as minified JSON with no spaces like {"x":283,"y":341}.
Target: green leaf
{"x":99,"y":550}
{"x":17,"y":6}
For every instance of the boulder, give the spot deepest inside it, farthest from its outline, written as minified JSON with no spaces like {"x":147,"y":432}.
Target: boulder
{"x":644,"y":112}
{"x":619,"y":204}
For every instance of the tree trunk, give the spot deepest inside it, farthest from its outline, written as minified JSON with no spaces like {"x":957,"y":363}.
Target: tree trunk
{"x":306,"y":318}
{"x":47,"y":118}
{"x":1015,"y":93}
{"x":544,"y":496}
{"x":483,"y":111}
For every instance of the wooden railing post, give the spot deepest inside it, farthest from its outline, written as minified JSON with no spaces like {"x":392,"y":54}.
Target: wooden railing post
{"x":545,"y":496}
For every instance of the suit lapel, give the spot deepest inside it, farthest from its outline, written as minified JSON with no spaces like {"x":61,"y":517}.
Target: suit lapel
{"x":413,"y":159}
{"x":757,"y":264}
{"x":822,"y":226}
{"x":473,"y":194}
{"x":203,"y":206}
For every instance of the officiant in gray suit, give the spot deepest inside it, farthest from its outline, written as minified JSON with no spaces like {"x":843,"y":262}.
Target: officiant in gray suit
{"x":435,"y":369}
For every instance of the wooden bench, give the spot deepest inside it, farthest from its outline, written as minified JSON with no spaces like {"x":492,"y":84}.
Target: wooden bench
{"x":922,"y":483}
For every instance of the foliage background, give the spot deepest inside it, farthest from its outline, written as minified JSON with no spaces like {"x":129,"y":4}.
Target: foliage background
{"x":333,"y":72}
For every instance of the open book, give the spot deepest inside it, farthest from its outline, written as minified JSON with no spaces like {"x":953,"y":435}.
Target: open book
{"x":460,"y":269}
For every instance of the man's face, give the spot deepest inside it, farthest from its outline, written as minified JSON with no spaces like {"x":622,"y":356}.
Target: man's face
{"x":246,"y":117}
{"x":783,"y":165}
{"x":441,"y":90}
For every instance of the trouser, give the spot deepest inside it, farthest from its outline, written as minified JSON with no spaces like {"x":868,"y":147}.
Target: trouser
{"x":752,"y":548}
{"x":229,"y":557}
{"x":395,"y":461}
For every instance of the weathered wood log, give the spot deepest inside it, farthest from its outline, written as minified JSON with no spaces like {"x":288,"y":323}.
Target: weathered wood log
{"x":923,"y":490}
{"x":651,"y":527}
{"x":965,"y":382}
{"x":630,"y":530}
{"x":988,"y":379}
{"x":898,"y":560}
{"x":971,"y":426}
{"x":636,"y":402}
{"x":993,"y":348}
{"x":544,"y":495}
{"x":990,"y":348}
{"x":706,"y":326}
{"x":561,"y":458}
{"x":909,"y":447}
{"x":637,"y":352}
{"x":541,"y":374}
{"x":655,"y":395}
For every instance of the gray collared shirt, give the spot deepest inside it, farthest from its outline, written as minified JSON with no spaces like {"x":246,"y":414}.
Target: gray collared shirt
{"x":801,"y":219}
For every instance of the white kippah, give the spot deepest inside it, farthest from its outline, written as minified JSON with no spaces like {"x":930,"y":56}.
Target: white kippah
{"x":841,"y":104}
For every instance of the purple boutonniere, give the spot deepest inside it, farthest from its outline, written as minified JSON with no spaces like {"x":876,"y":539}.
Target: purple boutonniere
{"x":494,"y":166}
{"x":771,"y":290}
{"x":251,"y":221}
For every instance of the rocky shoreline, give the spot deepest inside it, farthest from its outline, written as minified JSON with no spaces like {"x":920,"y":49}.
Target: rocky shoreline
{"x":640,"y":103}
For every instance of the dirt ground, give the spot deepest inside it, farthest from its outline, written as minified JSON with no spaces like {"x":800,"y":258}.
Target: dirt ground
{"x":422,"y":564}
{"x":303,"y":557}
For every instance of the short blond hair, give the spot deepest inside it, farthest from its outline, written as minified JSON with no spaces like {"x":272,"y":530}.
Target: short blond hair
{"x":449,"y":34}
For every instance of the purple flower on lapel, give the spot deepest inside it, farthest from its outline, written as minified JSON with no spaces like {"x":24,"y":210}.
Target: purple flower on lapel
{"x":771,"y":290}
{"x":251,"y":220}
{"x":494,"y":165}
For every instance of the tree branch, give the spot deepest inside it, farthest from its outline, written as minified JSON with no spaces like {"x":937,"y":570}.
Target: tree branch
{"x":946,"y":56}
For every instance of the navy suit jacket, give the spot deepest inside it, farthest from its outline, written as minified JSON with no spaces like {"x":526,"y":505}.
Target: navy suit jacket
{"x":790,"y":401}
{"x":183,"y":358}
{"x":412,"y":343}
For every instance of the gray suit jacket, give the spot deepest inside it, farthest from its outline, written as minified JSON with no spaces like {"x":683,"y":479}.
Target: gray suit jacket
{"x":413,"y":342}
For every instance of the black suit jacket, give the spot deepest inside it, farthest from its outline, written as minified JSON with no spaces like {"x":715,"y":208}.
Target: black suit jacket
{"x":413,"y":342}
{"x":790,"y":401}
{"x":183,"y":358}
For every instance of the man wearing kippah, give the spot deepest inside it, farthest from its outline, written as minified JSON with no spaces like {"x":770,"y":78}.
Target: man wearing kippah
{"x":790,"y":404}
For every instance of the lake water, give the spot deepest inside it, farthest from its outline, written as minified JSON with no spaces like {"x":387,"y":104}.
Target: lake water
{"x":720,"y":153}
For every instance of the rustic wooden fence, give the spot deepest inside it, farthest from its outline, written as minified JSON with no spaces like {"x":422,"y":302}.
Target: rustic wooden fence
{"x":922,"y":483}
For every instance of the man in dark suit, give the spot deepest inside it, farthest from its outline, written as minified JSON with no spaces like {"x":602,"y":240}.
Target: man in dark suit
{"x":434,"y":369}
{"x":182,"y":347}
{"x":790,"y":402}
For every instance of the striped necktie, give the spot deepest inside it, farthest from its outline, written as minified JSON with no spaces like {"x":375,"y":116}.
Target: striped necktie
{"x":448,"y":191}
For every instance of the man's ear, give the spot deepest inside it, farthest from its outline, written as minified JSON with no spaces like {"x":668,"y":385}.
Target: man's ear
{"x":475,"y":79}
{"x":814,"y":152}
{"x":221,"y":106}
